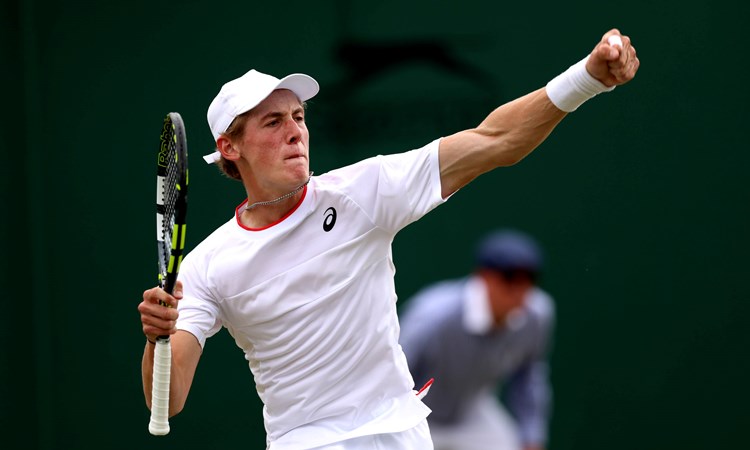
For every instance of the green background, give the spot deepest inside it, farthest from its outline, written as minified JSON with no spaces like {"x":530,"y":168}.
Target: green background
{"x":640,"y":198}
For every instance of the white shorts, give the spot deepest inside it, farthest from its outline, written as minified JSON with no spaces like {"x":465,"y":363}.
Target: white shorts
{"x":417,"y":438}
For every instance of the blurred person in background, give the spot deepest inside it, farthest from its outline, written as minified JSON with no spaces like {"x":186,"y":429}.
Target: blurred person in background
{"x":479,"y":335}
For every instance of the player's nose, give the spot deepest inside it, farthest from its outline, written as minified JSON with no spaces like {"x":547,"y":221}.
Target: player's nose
{"x":294,"y":132}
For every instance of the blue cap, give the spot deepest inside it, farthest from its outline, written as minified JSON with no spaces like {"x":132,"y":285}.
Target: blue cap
{"x":509,"y":250}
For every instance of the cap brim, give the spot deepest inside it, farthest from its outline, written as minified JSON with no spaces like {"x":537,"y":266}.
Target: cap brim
{"x":304,"y":86}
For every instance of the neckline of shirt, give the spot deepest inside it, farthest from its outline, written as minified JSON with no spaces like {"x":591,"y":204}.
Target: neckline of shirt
{"x":275,"y":225}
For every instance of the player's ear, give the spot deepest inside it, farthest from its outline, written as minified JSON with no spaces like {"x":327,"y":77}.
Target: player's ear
{"x":226,"y":148}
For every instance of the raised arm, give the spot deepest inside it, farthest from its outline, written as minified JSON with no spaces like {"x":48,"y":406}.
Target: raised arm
{"x":158,"y":320}
{"x":516,"y":128}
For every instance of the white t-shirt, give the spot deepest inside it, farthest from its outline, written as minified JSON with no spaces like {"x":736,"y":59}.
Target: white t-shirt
{"x":312,"y":303}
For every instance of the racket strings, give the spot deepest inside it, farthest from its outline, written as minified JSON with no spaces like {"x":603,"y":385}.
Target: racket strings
{"x":170,"y":196}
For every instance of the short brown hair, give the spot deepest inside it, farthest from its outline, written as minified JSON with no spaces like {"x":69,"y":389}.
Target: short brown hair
{"x":235,"y":132}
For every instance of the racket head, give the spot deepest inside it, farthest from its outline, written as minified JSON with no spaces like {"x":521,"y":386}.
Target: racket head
{"x":171,"y":199}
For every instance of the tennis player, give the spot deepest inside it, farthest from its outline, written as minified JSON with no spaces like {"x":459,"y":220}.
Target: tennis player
{"x":302,"y":275}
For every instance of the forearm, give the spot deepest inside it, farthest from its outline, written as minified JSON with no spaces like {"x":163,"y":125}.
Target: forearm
{"x":177,"y":390}
{"x":147,"y":371}
{"x":185,"y":355}
{"x":515,"y":129}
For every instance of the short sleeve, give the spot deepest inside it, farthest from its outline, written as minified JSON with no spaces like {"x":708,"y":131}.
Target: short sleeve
{"x":199,"y":313}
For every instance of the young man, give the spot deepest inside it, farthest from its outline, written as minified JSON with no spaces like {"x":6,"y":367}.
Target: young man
{"x":302,"y":275}
{"x":478,"y":334}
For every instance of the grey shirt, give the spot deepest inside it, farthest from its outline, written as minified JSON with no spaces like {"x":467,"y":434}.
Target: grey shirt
{"x":443,"y":339}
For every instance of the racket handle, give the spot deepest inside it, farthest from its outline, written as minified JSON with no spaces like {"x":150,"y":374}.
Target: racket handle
{"x":159,"y":424}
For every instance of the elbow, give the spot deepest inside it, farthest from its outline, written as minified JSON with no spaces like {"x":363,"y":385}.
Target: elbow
{"x":176,"y":406}
{"x":512,"y":152}
{"x":510,"y":160}
{"x":507,"y":150}
{"x":509,"y":156}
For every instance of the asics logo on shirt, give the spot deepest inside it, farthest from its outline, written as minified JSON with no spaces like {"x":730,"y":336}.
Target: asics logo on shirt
{"x":330,"y":219}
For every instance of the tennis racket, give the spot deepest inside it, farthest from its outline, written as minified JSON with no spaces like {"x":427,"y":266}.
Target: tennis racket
{"x":171,"y":209}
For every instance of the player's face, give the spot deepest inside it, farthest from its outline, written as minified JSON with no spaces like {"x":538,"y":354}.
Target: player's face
{"x":275,"y":143}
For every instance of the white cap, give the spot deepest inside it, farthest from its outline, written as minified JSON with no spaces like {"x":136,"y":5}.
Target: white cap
{"x":246,"y":92}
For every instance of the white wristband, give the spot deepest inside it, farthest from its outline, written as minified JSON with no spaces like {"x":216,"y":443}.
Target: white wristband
{"x":571,"y":88}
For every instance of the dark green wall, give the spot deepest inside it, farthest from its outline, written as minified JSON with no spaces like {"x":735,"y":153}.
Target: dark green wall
{"x":640,"y":198}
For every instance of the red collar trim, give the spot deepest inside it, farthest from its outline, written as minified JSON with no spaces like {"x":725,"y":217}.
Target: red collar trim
{"x":291,"y":211}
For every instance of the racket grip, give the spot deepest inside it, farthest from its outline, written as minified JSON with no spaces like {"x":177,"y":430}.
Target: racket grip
{"x":159,"y":424}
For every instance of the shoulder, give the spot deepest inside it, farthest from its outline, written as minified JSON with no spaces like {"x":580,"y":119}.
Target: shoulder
{"x":374,"y":165}
{"x":426,"y":318}
{"x":438,"y":299}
